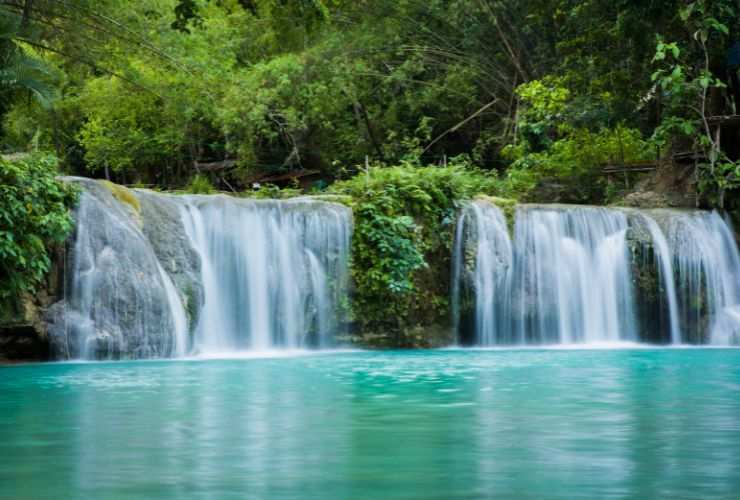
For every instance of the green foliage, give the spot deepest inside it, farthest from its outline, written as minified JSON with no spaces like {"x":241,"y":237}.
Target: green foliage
{"x":686,"y":77}
{"x":278,"y":108}
{"x":542,"y":115}
{"x":200,"y":184}
{"x":552,"y":145}
{"x":149,"y":87}
{"x":186,"y":11}
{"x":20,"y":69}
{"x":126,"y":129}
{"x":404,"y":219}
{"x":34,"y":215}
{"x":271,"y":191}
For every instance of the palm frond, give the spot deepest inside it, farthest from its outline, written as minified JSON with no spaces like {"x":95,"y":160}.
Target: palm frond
{"x":24,"y":73}
{"x":10,"y":24}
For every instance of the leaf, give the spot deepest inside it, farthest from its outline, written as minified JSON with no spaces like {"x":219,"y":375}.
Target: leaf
{"x":686,"y":12}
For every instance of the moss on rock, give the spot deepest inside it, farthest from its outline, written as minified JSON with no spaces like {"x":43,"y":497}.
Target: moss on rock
{"x":124,"y":195}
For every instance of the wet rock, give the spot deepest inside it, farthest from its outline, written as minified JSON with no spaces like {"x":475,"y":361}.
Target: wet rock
{"x":645,"y":199}
{"x":23,"y":333}
{"x":116,"y":305}
{"x":163,"y":227}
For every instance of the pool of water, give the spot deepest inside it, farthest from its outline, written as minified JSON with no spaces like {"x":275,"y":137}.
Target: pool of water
{"x":617,"y":423}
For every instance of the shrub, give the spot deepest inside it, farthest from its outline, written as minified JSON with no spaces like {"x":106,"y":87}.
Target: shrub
{"x":404,"y":222}
{"x":271,"y":191}
{"x":578,"y":157}
{"x":34,"y":214}
{"x":200,"y":184}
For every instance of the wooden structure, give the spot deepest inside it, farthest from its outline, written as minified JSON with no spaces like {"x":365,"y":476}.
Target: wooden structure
{"x":726,"y":133}
{"x":643,"y":166}
{"x":214,"y":166}
{"x":305,"y":179}
{"x":628,"y":168}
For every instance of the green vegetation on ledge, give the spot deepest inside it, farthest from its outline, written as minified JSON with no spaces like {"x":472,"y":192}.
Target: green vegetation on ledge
{"x":403,"y":232}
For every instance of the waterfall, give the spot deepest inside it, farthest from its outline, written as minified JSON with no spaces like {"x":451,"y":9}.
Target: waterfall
{"x":274,"y":272}
{"x":570,"y":274}
{"x":151,"y":275}
{"x":664,"y":261}
{"x":179,"y":317}
{"x":493,"y":272}
{"x":707,"y":273}
{"x":564,"y":278}
{"x":119,"y":302}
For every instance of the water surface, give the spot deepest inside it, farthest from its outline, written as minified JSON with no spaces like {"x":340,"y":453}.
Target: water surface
{"x":567,"y":424}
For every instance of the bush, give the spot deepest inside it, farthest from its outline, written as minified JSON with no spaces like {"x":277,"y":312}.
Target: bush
{"x":34,"y":214}
{"x":578,"y":157}
{"x":404,"y":220}
{"x":271,"y":191}
{"x":200,"y":184}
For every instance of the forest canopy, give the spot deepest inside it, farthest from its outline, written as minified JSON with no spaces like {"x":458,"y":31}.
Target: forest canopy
{"x":161,"y":92}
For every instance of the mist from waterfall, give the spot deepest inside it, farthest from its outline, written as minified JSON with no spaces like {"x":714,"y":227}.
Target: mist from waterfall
{"x":567,"y":274}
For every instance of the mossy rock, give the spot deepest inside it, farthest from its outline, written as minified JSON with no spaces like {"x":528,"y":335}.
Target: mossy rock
{"x":124,"y":195}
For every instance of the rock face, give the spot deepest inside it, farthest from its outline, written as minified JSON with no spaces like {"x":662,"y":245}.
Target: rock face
{"x":23,"y":333}
{"x":649,"y":288}
{"x":119,"y":301}
{"x":671,"y":185}
{"x":646,"y":199}
{"x":23,"y":330}
{"x":162,"y":225}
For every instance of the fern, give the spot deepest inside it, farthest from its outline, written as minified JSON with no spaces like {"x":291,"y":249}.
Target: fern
{"x":18,"y":70}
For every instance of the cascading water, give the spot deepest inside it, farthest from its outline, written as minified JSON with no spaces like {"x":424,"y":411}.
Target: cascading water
{"x":151,"y":275}
{"x":564,"y":278}
{"x":570,"y":275}
{"x":494,"y":259}
{"x":664,"y":262}
{"x":273,"y":272}
{"x":707,"y":271}
{"x":119,"y":302}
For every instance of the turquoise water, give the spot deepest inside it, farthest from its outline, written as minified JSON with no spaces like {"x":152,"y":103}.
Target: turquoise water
{"x":444,"y":424}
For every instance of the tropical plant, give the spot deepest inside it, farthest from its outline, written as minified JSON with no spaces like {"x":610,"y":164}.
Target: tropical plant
{"x":685,"y":80}
{"x":20,"y":70}
{"x":404,"y":219}
{"x":34,"y":215}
